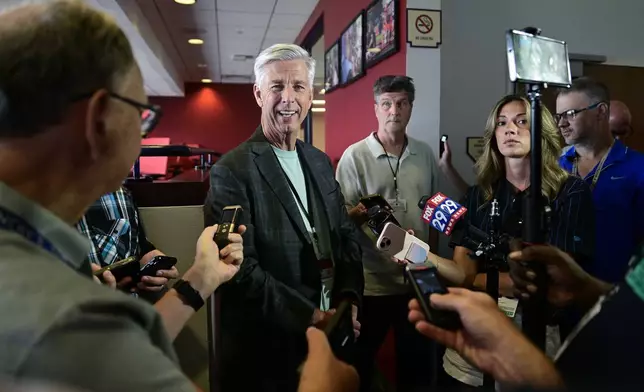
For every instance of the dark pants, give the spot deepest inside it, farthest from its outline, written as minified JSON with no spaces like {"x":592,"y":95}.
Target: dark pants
{"x":416,"y":355}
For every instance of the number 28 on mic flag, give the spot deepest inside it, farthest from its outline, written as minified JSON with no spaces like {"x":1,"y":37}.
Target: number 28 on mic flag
{"x":442,"y":213}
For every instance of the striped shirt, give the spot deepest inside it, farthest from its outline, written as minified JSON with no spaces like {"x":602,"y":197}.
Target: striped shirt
{"x":572,"y":220}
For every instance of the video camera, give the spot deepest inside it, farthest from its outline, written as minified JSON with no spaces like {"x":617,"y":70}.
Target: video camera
{"x":379,"y":213}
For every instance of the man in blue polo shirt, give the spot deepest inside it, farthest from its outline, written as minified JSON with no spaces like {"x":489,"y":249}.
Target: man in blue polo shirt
{"x":614,"y":172}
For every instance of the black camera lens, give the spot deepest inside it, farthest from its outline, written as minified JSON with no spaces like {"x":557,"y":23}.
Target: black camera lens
{"x":385,"y":243}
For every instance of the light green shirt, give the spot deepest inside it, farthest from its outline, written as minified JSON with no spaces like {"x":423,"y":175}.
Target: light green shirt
{"x":290,"y":162}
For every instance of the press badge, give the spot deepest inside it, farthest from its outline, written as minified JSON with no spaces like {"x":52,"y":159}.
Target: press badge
{"x":399,"y":205}
{"x":508,"y":306}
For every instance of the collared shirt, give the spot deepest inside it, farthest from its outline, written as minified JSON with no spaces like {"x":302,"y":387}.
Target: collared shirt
{"x":619,"y":204}
{"x":59,"y":325}
{"x":366,"y":169}
{"x":113,"y":227}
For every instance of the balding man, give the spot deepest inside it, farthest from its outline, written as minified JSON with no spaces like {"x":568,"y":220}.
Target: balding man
{"x":620,"y":120}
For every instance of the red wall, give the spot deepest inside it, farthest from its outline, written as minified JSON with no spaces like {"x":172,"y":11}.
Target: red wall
{"x":217,"y":116}
{"x":349,"y":115}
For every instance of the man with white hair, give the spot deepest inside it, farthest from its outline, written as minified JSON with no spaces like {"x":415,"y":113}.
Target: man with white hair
{"x":301,"y":252}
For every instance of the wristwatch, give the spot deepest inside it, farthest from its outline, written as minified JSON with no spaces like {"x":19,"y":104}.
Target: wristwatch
{"x":188,"y":294}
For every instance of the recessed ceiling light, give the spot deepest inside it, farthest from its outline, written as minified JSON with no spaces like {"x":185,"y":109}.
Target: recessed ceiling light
{"x":206,"y":80}
{"x":185,"y":2}
{"x":318,"y":102}
{"x":318,"y":110}
{"x":202,"y":65}
{"x":322,"y":91}
{"x":195,"y":41}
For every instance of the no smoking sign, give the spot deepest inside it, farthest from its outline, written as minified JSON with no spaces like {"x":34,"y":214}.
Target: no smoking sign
{"x":424,"y":24}
{"x":424,"y":28}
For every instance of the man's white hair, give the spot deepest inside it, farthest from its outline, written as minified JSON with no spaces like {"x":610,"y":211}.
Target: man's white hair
{"x":283,"y":52}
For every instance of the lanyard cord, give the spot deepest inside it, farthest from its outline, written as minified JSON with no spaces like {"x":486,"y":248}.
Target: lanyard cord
{"x":395,"y":173}
{"x":600,"y":166}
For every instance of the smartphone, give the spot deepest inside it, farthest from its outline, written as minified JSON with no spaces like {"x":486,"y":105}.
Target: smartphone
{"x":379,"y":212}
{"x":396,"y":242}
{"x":120,"y":269}
{"x":537,"y":60}
{"x":228,"y":224}
{"x":424,"y":281}
{"x":157,"y":264}
{"x":442,"y":146}
{"x":339,"y":332}
{"x":375,"y":200}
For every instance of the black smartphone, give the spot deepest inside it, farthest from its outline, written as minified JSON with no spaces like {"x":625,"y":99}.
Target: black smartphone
{"x":442,"y":146}
{"x":228,"y":224}
{"x":424,"y":281}
{"x":157,"y":264}
{"x":339,"y":332}
{"x":375,"y":200}
{"x":120,"y":269}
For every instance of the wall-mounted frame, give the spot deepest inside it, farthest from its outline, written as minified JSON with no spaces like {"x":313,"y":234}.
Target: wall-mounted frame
{"x":382,"y":31}
{"x":332,"y":67}
{"x":352,"y":51}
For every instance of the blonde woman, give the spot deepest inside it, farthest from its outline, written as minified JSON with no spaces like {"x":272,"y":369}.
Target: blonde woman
{"x":503,"y":173}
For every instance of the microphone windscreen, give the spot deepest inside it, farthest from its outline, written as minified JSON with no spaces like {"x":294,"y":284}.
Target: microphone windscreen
{"x":423,"y":201}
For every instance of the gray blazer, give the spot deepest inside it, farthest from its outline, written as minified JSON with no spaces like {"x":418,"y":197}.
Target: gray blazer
{"x":266,"y":308}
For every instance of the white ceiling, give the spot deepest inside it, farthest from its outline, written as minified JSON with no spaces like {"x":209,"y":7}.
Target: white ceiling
{"x":228,"y":28}
{"x":159,"y":31}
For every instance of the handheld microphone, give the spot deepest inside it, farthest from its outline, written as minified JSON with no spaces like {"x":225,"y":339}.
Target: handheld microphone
{"x":441,"y":212}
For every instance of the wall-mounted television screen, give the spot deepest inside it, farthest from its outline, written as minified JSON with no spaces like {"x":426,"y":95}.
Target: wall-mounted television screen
{"x":381,"y":31}
{"x":332,"y":67}
{"x":351,"y":51}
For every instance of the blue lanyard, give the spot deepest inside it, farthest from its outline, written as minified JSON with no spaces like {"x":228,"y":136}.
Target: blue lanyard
{"x":9,"y":221}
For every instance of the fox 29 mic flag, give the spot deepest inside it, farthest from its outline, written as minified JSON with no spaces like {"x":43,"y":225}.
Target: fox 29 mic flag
{"x":442,"y":213}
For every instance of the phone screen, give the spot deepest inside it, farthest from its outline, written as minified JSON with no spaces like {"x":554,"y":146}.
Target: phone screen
{"x":540,"y":59}
{"x":427,"y":282}
{"x":228,"y":216}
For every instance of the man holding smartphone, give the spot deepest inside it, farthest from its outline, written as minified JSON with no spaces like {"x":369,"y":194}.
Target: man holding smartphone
{"x":401,"y":169}
{"x":113,"y":226}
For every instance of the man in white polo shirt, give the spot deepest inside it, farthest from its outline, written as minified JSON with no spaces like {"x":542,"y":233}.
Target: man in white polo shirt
{"x":402,"y":170}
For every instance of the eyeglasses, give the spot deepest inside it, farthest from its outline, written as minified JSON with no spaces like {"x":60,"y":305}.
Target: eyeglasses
{"x":150,"y":114}
{"x":572,"y":113}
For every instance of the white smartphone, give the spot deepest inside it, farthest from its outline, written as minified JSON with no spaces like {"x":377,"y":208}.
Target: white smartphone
{"x":396,"y":242}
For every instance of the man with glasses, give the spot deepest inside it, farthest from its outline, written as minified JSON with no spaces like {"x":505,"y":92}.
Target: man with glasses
{"x":620,"y":120}
{"x":614,"y":172}
{"x":71,"y":100}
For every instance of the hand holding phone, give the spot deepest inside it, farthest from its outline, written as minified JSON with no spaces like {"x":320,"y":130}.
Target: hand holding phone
{"x":401,"y":245}
{"x":442,"y":146}
{"x":340,"y":333}
{"x":424,"y":281}
{"x":228,"y":224}
{"x":122,"y":269}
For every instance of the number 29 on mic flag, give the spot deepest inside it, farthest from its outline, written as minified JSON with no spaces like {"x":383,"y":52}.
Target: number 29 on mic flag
{"x":442,"y":213}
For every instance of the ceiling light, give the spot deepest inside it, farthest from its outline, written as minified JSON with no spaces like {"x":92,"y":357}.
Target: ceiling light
{"x":185,"y":2}
{"x":195,"y":41}
{"x":319,"y":102}
{"x":318,"y":109}
{"x":322,"y":91}
{"x":202,"y":65}
{"x":206,"y":80}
